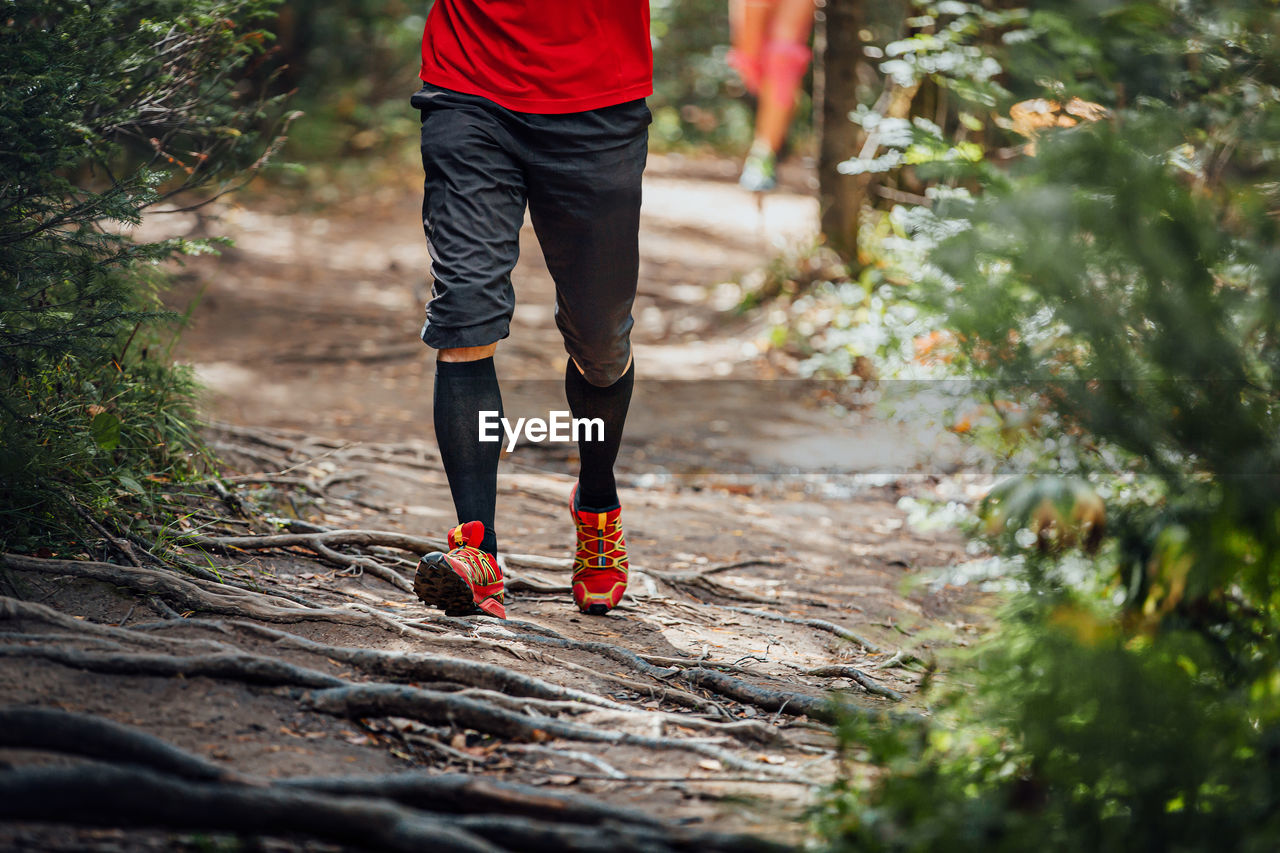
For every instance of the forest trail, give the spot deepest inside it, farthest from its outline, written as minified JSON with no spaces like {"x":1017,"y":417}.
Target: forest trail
{"x":771,"y":561}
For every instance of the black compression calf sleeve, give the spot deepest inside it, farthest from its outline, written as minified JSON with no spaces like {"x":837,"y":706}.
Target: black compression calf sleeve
{"x":596,"y":487}
{"x":463,"y":390}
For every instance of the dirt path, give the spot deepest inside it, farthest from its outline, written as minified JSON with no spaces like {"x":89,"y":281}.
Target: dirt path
{"x":305,"y":335}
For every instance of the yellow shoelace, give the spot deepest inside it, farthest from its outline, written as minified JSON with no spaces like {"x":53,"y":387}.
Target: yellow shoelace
{"x":481,"y":570}
{"x":607,"y":540}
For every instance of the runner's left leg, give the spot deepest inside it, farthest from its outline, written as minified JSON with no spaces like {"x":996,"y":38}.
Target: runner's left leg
{"x":597,"y":489}
{"x":585,"y":209}
{"x":584,"y":201}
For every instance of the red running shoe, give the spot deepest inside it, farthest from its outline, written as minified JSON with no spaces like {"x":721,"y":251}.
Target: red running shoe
{"x":464,"y":580}
{"x":600,"y":561}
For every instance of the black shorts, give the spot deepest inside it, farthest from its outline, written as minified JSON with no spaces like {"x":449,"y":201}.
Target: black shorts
{"x":579,"y":174}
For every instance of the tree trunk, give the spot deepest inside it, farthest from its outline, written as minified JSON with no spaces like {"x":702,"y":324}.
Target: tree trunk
{"x":841,"y":62}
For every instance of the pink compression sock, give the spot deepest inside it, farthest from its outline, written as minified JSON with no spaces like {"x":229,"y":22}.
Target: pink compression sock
{"x":783,"y":66}
{"x":748,"y":68}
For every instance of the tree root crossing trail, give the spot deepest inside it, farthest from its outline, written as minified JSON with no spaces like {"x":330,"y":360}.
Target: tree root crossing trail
{"x":278,"y":679}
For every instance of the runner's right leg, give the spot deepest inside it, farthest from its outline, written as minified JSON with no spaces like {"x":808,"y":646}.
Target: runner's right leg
{"x":472,"y":211}
{"x":463,"y":390}
{"x":748,"y":21}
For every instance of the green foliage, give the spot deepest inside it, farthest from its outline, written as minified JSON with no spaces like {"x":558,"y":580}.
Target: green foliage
{"x":946,"y":45}
{"x":1132,"y":293}
{"x":1119,"y":289}
{"x":106,"y":110}
{"x":354,"y":64}
{"x":697,"y":98}
{"x":1074,"y":739}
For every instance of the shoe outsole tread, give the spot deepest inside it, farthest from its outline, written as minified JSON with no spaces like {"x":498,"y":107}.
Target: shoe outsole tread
{"x":437,"y":585}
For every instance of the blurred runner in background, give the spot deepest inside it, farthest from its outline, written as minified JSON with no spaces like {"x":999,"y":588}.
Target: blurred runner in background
{"x":771,"y":54}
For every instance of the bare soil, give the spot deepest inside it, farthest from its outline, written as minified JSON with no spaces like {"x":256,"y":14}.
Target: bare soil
{"x":741,"y":493}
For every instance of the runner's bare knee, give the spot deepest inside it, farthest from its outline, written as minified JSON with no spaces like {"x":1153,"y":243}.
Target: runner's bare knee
{"x":467,"y":353}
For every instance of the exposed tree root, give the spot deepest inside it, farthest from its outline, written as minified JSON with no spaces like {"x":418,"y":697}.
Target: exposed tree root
{"x":469,"y":708}
{"x":457,"y":793}
{"x":444,"y":693}
{"x":626,"y":657}
{"x":322,"y":542}
{"x":189,"y":595}
{"x":203,"y":596}
{"x":419,"y":666}
{"x":125,"y":797}
{"x":737,"y":689}
{"x":543,"y":838}
{"x":726,"y":567}
{"x":321,"y":545}
{"x":521,"y":583}
{"x":858,"y":676}
{"x":751,"y":731}
{"x":18,"y":611}
{"x":92,"y":737}
{"x":180,"y":592}
{"x":696,"y":584}
{"x":250,"y":669}
{"x":164,"y":787}
{"x":664,"y":660}
{"x":85,"y":736}
{"x":363,"y":538}
{"x":665,"y":693}
{"x":605,"y":768}
{"x":778,"y":701}
{"x":818,"y":624}
{"x":433,"y":707}
{"x":699,"y":580}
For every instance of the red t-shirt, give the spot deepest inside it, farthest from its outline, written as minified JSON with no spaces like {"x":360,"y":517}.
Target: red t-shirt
{"x":541,"y":56}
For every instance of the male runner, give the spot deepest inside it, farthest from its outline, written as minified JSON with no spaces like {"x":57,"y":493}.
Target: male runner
{"x":537,"y":104}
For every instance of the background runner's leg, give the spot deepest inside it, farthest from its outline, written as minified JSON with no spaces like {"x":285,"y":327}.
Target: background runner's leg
{"x":784,"y":59}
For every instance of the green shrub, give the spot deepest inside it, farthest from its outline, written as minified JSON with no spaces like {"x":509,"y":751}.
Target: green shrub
{"x":1074,"y":738}
{"x":353,"y":64}
{"x":106,"y":110}
{"x":1121,"y":285}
